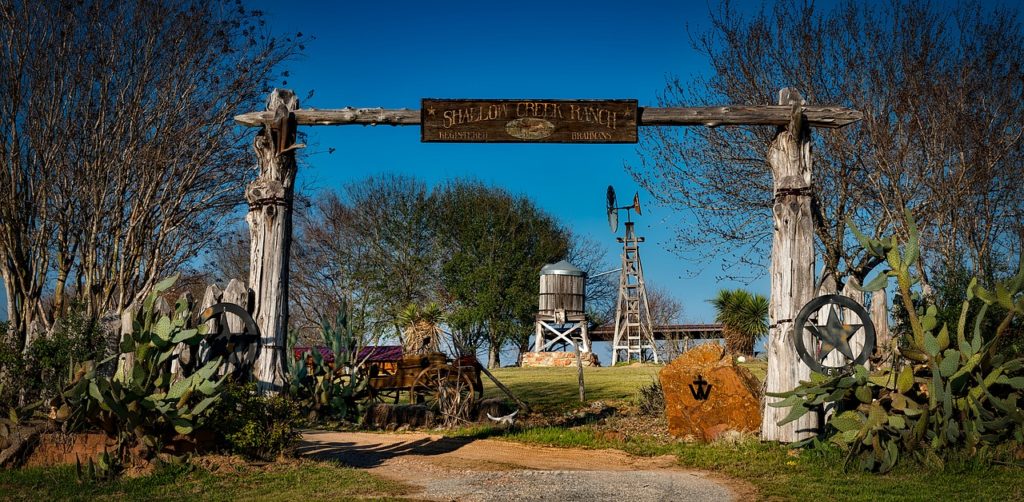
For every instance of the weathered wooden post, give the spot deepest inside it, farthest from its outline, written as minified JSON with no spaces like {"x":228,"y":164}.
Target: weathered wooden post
{"x":880,"y":316}
{"x":579,"y":372}
{"x":792,"y":266}
{"x":270,"y":229}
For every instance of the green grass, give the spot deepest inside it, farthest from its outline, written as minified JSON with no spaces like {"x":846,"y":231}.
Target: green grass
{"x":556,"y":389}
{"x":306,"y":480}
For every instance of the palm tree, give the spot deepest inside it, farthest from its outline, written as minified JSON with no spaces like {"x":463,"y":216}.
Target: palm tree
{"x":744,"y":318}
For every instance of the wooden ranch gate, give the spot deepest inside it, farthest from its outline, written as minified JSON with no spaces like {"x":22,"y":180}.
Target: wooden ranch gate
{"x":791,"y":271}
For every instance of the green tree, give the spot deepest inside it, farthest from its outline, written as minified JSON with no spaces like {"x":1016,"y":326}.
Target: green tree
{"x":494,"y":244}
{"x":744,"y":318}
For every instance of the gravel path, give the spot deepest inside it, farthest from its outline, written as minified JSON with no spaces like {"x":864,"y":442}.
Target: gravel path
{"x":486,"y":469}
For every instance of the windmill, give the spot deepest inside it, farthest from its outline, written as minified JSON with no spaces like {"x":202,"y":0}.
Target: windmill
{"x":634,"y":337}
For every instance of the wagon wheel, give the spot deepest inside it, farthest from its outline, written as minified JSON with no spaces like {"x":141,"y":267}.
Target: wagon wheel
{"x":448,"y":390}
{"x":384,"y":395}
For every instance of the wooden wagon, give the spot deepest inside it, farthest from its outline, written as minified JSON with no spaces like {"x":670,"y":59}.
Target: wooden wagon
{"x":430,"y":379}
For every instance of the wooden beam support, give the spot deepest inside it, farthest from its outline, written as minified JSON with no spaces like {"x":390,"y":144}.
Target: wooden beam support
{"x":711,"y":116}
{"x":831,"y":117}
{"x":791,"y":270}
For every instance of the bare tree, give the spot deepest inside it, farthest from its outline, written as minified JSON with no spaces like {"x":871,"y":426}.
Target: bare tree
{"x":665,"y":308}
{"x":942,"y":100}
{"x":118,"y":154}
{"x":602,"y":291}
{"x":372,"y":246}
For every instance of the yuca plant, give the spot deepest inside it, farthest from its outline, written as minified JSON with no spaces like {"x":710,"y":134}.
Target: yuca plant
{"x":743,"y":316}
{"x":954,"y":393}
{"x":141,"y":406}
{"x":330,"y":389}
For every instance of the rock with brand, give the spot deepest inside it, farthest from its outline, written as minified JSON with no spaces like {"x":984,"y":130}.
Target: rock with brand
{"x":706,"y":394}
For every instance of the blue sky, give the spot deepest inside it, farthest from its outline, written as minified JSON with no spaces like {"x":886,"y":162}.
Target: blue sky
{"x":391,"y":54}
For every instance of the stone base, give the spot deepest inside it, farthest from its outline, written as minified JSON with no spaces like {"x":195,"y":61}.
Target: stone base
{"x":707,"y":394}
{"x":557,"y":359}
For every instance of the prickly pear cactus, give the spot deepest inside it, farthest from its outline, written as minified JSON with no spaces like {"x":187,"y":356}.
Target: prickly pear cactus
{"x":142,"y":406}
{"x":953,"y":390}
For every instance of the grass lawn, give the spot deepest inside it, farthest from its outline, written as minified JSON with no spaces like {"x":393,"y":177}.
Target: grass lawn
{"x":556,"y":389}
{"x":305,"y":480}
{"x":776,"y":471}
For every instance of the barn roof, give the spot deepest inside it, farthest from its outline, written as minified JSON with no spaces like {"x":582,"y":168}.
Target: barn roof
{"x":380,"y":353}
{"x":374,"y":353}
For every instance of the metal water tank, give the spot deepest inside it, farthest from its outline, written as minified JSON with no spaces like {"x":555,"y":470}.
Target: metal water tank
{"x":562,"y":286}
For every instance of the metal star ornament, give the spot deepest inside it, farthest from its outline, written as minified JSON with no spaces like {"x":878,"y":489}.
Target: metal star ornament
{"x":821,"y":340}
{"x":835,"y":335}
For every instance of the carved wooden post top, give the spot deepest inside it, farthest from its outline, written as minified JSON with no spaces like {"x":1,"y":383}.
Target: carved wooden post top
{"x":791,"y":150}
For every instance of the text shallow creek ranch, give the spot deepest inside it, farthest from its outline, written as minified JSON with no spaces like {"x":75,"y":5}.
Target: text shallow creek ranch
{"x":529,"y":121}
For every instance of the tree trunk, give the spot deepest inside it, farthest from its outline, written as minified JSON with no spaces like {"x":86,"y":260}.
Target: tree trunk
{"x":270,"y":228}
{"x":493,"y":355}
{"x":792,"y":267}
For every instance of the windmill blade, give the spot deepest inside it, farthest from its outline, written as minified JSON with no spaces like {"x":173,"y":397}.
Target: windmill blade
{"x":613,"y":219}
{"x":636,"y":203}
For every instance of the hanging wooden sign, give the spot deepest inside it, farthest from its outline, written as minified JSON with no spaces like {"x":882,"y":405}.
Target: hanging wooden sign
{"x":528,"y":121}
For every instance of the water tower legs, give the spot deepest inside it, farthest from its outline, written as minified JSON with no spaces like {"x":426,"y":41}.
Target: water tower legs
{"x":561,"y":328}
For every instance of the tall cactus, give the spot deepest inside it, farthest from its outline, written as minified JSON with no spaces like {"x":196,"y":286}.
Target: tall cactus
{"x":327,"y":389}
{"x":953,"y":392}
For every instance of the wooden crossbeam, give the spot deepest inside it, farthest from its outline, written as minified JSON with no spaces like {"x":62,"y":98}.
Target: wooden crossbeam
{"x":710,"y":116}
{"x":559,"y":335}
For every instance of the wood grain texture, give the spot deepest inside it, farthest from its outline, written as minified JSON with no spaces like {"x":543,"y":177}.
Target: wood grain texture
{"x":879,"y":313}
{"x":211,"y":297}
{"x":559,"y":291}
{"x":270,"y":229}
{"x":830,"y":117}
{"x":791,"y":271}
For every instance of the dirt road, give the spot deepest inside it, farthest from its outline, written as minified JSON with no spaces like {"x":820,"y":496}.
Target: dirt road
{"x":487,"y":469}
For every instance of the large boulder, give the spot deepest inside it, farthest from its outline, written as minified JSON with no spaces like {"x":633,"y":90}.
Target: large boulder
{"x":706,"y":394}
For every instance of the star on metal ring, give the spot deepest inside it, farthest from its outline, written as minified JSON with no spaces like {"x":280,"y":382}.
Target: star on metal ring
{"x":834,"y":334}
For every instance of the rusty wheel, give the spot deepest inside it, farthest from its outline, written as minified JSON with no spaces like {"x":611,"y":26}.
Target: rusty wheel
{"x":447,"y":390}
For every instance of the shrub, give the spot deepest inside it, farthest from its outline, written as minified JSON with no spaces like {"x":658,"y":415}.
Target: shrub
{"x":259,"y":427}
{"x":12,"y":367}
{"x":43,"y":369}
{"x":955,"y":395}
{"x":744,"y":318}
{"x":51,"y":357}
{"x":650,"y":399}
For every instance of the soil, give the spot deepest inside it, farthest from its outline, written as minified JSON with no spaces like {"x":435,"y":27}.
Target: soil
{"x":440,"y":468}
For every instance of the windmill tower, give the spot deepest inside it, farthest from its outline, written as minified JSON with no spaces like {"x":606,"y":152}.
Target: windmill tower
{"x":634,"y":338}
